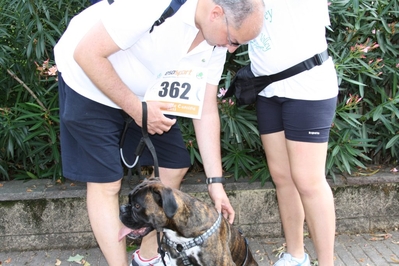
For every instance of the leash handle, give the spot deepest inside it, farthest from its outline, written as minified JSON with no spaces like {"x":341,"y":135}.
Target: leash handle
{"x":144,"y":141}
{"x":148,"y":141}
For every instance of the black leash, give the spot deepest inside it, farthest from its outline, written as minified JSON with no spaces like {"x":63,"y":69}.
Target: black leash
{"x":145,"y":141}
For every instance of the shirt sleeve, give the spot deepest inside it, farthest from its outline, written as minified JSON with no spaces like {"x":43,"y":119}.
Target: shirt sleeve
{"x":216,"y":65}
{"x":126,"y":20}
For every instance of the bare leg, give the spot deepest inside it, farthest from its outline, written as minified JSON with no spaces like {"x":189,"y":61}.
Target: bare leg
{"x":298,"y":170}
{"x":289,"y":201}
{"x":307,"y":162}
{"x":170,"y":178}
{"x":103,"y":210}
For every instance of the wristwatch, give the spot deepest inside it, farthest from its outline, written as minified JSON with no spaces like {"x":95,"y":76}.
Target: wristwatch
{"x":212,"y":180}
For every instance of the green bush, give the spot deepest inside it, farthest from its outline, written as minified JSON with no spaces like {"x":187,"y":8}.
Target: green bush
{"x":29,"y":146}
{"x":363,"y":41}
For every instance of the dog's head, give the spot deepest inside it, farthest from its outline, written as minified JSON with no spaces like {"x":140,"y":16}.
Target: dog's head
{"x":151,"y":206}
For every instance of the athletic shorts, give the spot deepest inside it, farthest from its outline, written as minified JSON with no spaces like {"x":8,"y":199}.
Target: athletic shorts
{"x":301,"y":120}
{"x":90,"y":134}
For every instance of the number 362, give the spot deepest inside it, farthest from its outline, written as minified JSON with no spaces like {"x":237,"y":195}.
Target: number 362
{"x":175,"y":90}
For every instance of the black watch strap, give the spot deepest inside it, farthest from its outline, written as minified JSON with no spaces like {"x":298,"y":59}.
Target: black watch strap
{"x":212,"y":180}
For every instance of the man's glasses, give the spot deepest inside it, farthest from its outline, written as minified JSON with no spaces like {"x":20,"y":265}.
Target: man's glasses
{"x":234,"y":44}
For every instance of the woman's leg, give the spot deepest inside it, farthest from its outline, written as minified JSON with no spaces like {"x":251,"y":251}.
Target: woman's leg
{"x":103,"y":210}
{"x":289,"y":202}
{"x":307,"y":163}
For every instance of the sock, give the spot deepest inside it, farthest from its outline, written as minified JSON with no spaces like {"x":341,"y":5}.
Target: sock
{"x":300,"y":261}
{"x":144,"y":259}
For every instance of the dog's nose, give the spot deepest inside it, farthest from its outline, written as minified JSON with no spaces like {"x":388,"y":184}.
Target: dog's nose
{"x":125,"y":208}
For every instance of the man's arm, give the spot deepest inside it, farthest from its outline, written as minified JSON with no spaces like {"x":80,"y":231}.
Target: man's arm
{"x":92,"y":55}
{"x":207,"y":130}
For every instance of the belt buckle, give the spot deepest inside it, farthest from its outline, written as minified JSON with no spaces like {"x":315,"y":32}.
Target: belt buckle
{"x":319,"y":59}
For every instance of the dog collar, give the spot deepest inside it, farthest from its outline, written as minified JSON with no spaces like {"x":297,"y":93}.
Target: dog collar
{"x":196,"y":241}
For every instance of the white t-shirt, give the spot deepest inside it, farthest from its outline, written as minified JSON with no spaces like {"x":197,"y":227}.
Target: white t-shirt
{"x":293,"y":31}
{"x":143,"y":54}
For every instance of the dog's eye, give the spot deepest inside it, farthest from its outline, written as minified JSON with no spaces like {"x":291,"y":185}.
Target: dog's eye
{"x":136,"y":205}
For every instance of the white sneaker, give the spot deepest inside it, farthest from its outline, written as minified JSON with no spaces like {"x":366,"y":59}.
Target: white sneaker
{"x":287,"y":260}
{"x":157,"y":261}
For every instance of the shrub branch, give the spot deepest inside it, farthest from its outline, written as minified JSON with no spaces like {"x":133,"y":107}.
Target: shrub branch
{"x":14,"y":76}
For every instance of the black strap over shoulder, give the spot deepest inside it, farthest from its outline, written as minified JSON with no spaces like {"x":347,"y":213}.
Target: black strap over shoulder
{"x":169,"y":11}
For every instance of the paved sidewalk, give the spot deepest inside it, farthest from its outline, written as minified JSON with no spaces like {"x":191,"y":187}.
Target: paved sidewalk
{"x":379,"y":249}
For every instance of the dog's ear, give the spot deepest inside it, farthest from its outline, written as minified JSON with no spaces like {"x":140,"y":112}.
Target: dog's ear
{"x":165,"y":198}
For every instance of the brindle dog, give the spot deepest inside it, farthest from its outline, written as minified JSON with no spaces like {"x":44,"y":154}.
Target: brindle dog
{"x":194,"y":233}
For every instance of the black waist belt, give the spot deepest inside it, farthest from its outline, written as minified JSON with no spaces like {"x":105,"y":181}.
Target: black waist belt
{"x":308,"y":64}
{"x":245,"y":86}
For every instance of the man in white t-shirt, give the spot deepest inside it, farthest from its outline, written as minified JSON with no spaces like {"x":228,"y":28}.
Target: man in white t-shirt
{"x":294,"y":119}
{"x":108,"y":60}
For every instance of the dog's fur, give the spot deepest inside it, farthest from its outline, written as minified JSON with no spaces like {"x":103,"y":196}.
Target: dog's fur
{"x":182,"y":217}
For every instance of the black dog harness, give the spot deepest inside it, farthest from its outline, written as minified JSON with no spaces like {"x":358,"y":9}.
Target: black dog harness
{"x":197,"y":241}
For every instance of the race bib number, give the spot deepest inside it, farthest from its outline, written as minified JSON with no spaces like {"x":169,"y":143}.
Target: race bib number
{"x":185,"y":88}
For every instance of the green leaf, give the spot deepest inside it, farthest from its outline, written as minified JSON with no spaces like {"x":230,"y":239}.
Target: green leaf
{"x":392,"y":142}
{"x":77,"y":258}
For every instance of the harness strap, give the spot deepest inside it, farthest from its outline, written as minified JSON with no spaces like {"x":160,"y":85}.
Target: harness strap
{"x":196,"y":241}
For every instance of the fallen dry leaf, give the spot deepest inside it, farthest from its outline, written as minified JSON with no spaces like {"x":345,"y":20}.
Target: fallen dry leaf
{"x":57,"y":262}
{"x":29,"y":190}
{"x":8,"y":260}
{"x":1,"y":185}
{"x":394,"y":259}
{"x":379,"y":237}
{"x":280,"y":250}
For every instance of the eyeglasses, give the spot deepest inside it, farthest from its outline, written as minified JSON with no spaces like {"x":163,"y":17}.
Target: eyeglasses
{"x":234,"y":44}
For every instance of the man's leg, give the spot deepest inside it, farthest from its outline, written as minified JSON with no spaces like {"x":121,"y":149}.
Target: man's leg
{"x":170,"y":178}
{"x":289,"y":202}
{"x":103,"y":210}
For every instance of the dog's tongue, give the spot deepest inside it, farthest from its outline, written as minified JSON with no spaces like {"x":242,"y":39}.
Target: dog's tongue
{"x":124,"y":232}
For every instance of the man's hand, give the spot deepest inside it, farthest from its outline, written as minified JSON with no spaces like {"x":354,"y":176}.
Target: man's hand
{"x":157,"y":122}
{"x":221,"y":201}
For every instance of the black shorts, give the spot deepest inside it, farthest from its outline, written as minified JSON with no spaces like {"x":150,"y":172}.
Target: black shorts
{"x":301,"y":120}
{"x":90,"y":135}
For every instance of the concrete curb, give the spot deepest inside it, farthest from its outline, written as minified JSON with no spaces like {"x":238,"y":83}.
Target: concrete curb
{"x":39,"y":214}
